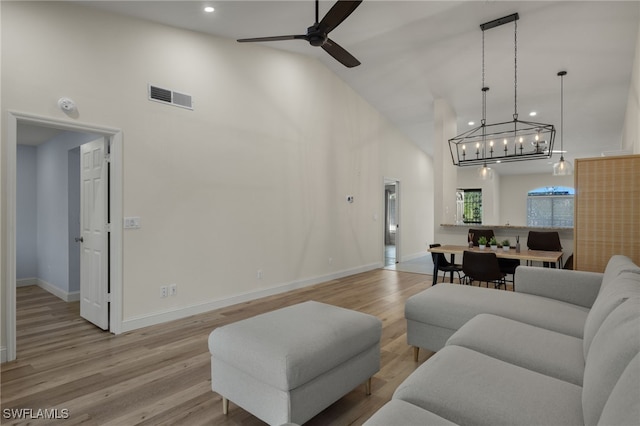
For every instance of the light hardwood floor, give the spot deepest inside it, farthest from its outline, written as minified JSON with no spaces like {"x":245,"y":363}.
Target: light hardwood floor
{"x":160,"y":375}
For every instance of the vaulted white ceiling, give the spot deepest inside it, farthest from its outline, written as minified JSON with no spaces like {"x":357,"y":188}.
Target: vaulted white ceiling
{"x":414,"y":52}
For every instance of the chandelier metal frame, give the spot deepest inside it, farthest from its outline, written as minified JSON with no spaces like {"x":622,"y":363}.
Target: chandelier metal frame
{"x":507,"y":141}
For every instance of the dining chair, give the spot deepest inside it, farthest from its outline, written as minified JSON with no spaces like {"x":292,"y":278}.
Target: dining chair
{"x":508,"y":266}
{"x":444,"y":265}
{"x":482,"y":267}
{"x":547,"y":241}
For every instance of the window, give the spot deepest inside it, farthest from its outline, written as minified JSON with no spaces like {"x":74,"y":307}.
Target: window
{"x":469,"y":205}
{"x":550,"y":207}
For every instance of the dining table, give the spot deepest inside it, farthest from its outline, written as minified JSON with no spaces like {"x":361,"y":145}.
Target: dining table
{"x":552,"y":257}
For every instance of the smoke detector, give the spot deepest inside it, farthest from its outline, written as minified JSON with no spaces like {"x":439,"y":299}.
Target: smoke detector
{"x":66,"y":105}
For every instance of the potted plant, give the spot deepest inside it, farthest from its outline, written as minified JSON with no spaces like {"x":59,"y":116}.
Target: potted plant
{"x":493,"y":243}
{"x":482,"y":242}
{"x":506,"y":245}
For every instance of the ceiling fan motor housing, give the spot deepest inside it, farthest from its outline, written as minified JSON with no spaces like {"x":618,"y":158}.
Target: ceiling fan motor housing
{"x":316,"y":36}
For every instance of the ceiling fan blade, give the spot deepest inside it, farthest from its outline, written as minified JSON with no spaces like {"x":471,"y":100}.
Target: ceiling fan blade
{"x":275,"y":38}
{"x":341,"y":55}
{"x":338,"y":13}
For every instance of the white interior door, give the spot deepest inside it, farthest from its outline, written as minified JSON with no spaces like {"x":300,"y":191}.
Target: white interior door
{"x":94,"y":286}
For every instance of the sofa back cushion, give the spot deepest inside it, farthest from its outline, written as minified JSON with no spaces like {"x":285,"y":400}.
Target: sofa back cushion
{"x":619,"y":289}
{"x":623,"y":405}
{"x":617,"y":265}
{"x":615,"y":344}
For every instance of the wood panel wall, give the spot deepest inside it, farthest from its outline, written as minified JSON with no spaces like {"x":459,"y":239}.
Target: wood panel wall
{"x":607,"y":210}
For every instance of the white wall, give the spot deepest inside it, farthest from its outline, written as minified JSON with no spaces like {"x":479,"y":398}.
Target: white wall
{"x":415,"y":173}
{"x":491,"y":195}
{"x":513,"y":208}
{"x":26,"y":213}
{"x":254,"y":178}
{"x":631,"y":131}
{"x":73,"y":219}
{"x":53,"y":186}
{"x":53,"y":208}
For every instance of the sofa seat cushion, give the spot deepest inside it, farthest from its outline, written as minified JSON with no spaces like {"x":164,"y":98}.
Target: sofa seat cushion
{"x":289,"y":347}
{"x":548,"y":352}
{"x":468,"y":387}
{"x":452,"y":305}
{"x":400,"y":413}
{"x":614,"y":346}
{"x":623,"y":286}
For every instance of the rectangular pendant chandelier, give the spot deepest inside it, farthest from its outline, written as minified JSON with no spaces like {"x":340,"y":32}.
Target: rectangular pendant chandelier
{"x":508,"y":141}
{"x":503,"y":142}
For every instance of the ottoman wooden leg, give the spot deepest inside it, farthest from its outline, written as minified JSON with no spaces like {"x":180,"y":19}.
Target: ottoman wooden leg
{"x":416,"y":350}
{"x":225,"y":406}
{"x":368,"y":386}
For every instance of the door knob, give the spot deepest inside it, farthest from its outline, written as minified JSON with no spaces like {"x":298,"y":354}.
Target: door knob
{"x":79,"y":240}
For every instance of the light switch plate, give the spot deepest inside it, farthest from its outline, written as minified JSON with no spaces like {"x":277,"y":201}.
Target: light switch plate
{"x":131,"y":223}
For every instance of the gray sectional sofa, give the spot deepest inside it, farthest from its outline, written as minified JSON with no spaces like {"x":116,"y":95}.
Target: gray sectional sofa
{"x":564,"y":349}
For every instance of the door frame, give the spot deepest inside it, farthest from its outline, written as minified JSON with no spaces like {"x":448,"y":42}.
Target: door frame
{"x":115,"y":212}
{"x":386,"y":181}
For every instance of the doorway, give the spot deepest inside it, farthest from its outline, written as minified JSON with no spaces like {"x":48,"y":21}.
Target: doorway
{"x":391,"y":229}
{"x":114,"y":213}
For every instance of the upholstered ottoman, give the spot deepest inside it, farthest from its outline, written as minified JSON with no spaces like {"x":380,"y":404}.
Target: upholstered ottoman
{"x":290,"y":364}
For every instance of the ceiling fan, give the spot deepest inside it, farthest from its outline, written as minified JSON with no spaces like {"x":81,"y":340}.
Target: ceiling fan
{"x":317,"y":34}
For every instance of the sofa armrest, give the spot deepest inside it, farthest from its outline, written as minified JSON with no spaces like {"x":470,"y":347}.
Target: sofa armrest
{"x":577,"y":287}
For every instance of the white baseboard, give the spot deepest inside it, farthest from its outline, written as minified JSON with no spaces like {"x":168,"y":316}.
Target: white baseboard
{"x":3,"y":354}
{"x":73,"y":296}
{"x":25,"y":282}
{"x":178,"y":313}
{"x":416,"y":256}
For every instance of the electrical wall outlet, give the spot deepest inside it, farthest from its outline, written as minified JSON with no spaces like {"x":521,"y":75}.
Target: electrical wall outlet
{"x":164,"y":291}
{"x":173,"y":289}
{"x":259,"y":274}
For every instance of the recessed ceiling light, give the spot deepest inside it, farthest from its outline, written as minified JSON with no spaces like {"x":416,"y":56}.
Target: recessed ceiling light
{"x":471,"y":123}
{"x":209,"y":9}
{"x":533,"y":114}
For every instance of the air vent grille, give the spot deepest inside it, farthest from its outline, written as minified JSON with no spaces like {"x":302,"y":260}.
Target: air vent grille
{"x":170,"y":97}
